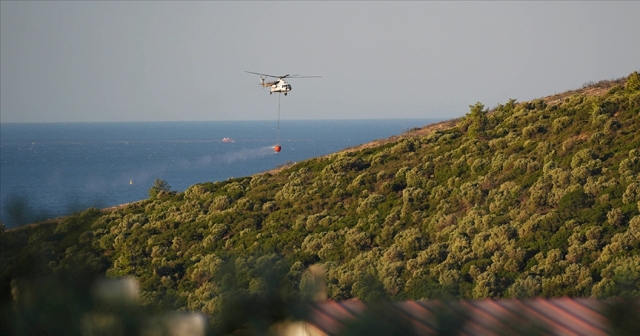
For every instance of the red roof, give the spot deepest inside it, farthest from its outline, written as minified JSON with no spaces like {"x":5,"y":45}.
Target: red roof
{"x":559,"y":316}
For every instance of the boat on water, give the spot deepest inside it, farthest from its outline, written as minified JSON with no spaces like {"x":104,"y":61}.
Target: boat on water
{"x":227,"y":140}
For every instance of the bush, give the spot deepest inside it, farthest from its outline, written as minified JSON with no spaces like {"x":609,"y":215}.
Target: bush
{"x":632,"y":194}
{"x":633,"y":82}
{"x":574,"y":200}
{"x":560,"y":124}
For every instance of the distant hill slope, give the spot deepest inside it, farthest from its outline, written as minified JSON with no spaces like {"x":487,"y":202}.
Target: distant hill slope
{"x":539,"y":198}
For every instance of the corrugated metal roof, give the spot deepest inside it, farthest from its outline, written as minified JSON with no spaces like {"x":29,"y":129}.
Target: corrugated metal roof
{"x":557,"y":316}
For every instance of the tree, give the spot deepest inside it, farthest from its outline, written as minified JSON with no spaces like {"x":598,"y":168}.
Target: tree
{"x":159,"y":187}
{"x":479,"y":121}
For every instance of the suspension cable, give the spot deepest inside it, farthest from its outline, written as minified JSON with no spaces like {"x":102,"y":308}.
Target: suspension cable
{"x":278,"y":136}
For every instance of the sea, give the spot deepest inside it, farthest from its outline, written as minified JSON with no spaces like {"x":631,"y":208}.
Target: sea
{"x":48,"y":170}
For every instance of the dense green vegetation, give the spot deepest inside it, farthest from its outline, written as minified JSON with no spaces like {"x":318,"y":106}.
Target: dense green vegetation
{"x":529,"y":199}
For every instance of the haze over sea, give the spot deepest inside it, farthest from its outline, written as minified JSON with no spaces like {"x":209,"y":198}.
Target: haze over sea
{"x":52,"y":169}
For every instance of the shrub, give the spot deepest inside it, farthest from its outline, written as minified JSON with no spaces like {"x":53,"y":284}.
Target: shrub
{"x":574,"y":200}
{"x":630,"y":166}
{"x":529,"y":287}
{"x":269,"y":207}
{"x":532,"y":130}
{"x":611,"y":126}
{"x":371,"y":202}
{"x":404,"y":146}
{"x":220,"y":203}
{"x":560,"y":124}
{"x":633,"y":82}
{"x":615,"y":217}
{"x":631,"y":194}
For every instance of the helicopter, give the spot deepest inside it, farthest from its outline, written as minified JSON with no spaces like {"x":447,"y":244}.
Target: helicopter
{"x":279,"y":85}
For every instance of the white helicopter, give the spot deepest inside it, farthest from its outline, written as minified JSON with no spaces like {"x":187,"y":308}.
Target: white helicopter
{"x":279,"y":85}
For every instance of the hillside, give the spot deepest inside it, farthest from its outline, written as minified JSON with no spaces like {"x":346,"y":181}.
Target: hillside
{"x":539,"y":198}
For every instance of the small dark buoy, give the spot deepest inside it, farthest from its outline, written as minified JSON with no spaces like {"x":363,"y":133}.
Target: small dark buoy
{"x":277,"y":148}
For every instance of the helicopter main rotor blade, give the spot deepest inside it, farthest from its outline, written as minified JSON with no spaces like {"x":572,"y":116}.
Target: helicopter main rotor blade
{"x":281,"y":77}
{"x":261,"y":74}
{"x":296,"y":76}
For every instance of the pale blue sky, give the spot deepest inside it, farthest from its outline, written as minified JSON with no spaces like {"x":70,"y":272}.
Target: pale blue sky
{"x":182,"y":61}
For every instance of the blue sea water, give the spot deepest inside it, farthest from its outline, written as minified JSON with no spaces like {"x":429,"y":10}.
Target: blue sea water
{"x":52,"y":169}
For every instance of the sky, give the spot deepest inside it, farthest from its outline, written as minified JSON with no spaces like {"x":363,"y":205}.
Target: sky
{"x":80,"y":61}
